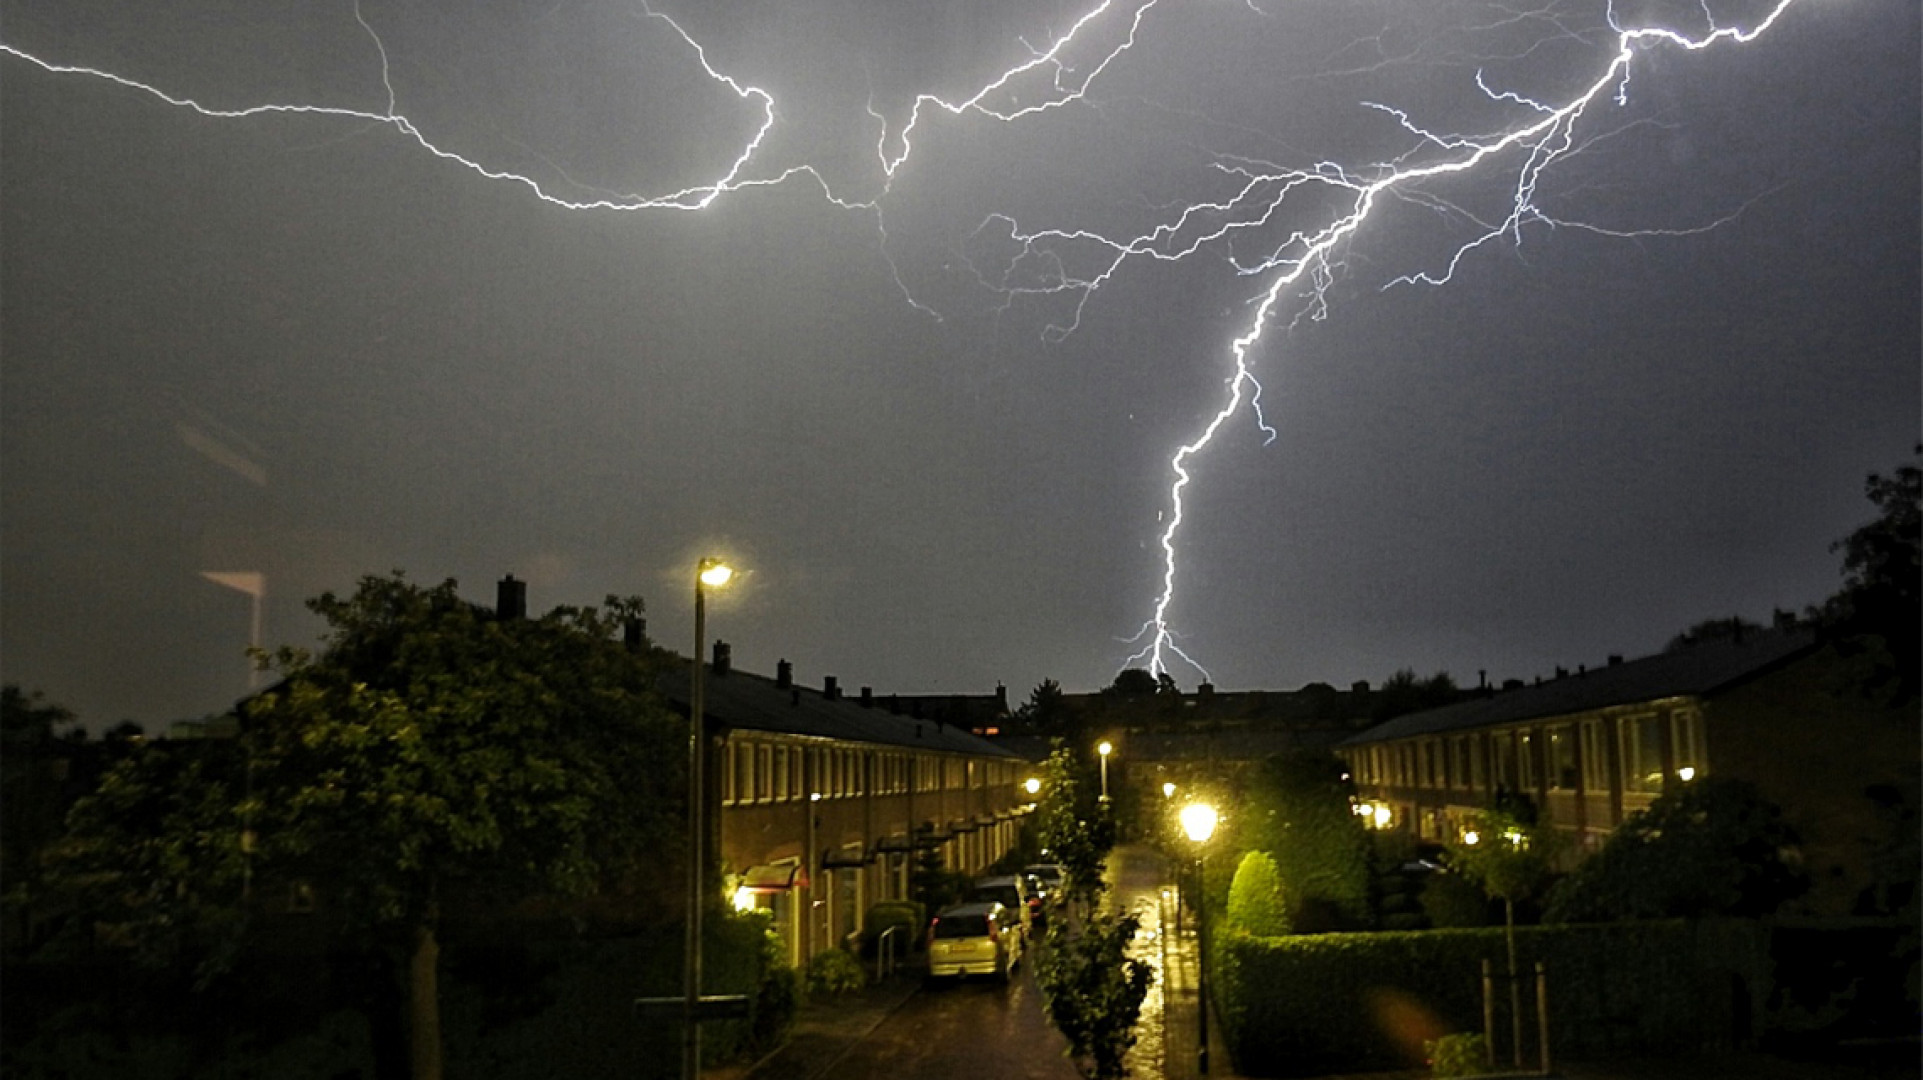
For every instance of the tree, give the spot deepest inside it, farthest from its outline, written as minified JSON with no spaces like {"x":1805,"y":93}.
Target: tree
{"x":31,"y":787}
{"x":1731,"y":628}
{"x":1299,"y":811}
{"x":1882,"y":593}
{"x":1046,"y":711}
{"x":1074,"y":824}
{"x":1093,"y":990}
{"x":1510,"y":856}
{"x":1257,"y":904}
{"x":155,"y":857}
{"x":1134,"y":682}
{"x":431,"y":757}
{"x":1404,"y":692}
{"x":435,"y":753}
{"x":1714,"y":846}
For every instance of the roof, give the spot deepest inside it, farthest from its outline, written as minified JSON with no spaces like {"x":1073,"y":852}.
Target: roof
{"x":1698,"y":671}
{"x":750,"y":702}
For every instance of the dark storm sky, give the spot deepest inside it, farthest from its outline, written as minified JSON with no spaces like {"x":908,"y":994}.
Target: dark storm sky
{"x":306,"y":347}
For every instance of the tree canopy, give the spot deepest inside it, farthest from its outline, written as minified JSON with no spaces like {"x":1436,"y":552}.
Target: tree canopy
{"x":432,"y":757}
{"x":1714,"y":846}
{"x":1882,"y":593}
{"x":1299,"y":811}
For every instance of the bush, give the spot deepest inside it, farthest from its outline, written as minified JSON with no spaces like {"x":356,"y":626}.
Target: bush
{"x":1714,"y":846}
{"x":834,"y":972}
{"x":1458,"y":1055}
{"x":909,"y":916}
{"x":1256,"y":905}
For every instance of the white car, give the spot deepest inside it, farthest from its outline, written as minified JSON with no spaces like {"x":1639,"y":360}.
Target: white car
{"x":974,"y":939}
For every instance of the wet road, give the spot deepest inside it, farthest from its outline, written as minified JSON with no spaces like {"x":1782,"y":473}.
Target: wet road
{"x":965,"y":1031}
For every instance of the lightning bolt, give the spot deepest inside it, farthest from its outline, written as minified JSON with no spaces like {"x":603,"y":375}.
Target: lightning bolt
{"x":1540,"y":144}
{"x":1295,"y":270}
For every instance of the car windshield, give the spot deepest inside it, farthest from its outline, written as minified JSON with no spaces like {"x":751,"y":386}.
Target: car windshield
{"x":960,"y":926}
{"x":1001,"y":894}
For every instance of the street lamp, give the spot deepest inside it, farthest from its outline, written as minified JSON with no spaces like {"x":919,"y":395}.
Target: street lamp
{"x":709,"y":573}
{"x":1033,"y":785}
{"x":1168,"y":789}
{"x":1105,"y":749}
{"x":1198,"y":821}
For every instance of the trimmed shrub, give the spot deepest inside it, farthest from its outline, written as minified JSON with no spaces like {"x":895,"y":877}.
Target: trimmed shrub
{"x":1256,"y":905}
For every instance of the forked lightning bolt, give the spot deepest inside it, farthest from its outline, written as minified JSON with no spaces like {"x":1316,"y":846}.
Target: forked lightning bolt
{"x":1292,"y":273}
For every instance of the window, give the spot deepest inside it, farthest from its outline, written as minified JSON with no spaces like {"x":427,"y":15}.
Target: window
{"x":1642,"y":753}
{"x":727,"y":773}
{"x":764,"y":774}
{"x":1478,"y":763}
{"x":781,"y":774}
{"x":1595,"y":757}
{"x":1504,"y":748}
{"x":1459,"y":767}
{"x":1526,"y":760}
{"x":1562,"y":758}
{"x":1686,"y":744}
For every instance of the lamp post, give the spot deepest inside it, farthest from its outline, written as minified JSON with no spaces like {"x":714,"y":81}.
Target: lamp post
{"x":1105,"y":749}
{"x":1198,"y":821}
{"x":709,"y":573}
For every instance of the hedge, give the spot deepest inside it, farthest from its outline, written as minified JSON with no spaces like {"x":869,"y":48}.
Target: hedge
{"x":1315,"y":1004}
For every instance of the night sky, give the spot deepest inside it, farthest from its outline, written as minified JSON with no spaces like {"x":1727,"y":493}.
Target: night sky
{"x":304,"y":346}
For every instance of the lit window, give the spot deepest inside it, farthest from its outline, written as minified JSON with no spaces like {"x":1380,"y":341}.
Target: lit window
{"x":1595,"y":757}
{"x":1562,"y":758}
{"x":1642,"y":753}
{"x":1686,"y":744}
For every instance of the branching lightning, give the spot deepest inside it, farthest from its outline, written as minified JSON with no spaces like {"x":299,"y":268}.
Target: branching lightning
{"x":1073,"y":264}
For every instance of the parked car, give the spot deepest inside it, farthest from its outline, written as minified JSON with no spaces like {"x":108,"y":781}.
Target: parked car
{"x":1012,"y":892}
{"x":981,"y":938}
{"x":1051,"y":878}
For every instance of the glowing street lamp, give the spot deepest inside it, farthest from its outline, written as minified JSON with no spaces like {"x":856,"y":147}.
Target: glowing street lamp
{"x":709,"y":573}
{"x":1198,"y":821}
{"x":1105,"y":749}
{"x":1033,"y":785}
{"x":1168,"y":789}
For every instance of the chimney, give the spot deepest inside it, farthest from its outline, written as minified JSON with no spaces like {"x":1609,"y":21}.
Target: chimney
{"x":1615,"y":659}
{"x":1784,"y":620}
{"x":1482,"y":678}
{"x":867,"y":697}
{"x":1205,"y":692}
{"x":1360,"y":686}
{"x":634,"y":635}
{"x":1001,"y":696}
{"x":831,"y":688}
{"x":784,"y":675}
{"x":1561,"y":672}
{"x":723,"y":658}
{"x":510,"y":599}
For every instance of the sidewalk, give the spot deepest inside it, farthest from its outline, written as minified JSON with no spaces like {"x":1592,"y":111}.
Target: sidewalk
{"x":826,"y":1030}
{"x":1168,"y":1039}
